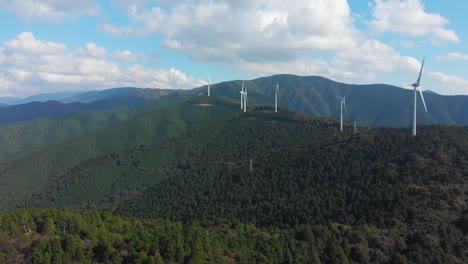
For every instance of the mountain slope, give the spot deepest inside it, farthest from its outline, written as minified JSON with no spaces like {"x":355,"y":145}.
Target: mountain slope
{"x":372,"y":105}
{"x":38,"y":98}
{"x":91,"y":96}
{"x":24,"y":112}
{"x":95,"y":101}
{"x":18,"y":139}
{"x":305,"y":172}
{"x":31,"y":172}
{"x":106,"y":178}
{"x":191,"y":162}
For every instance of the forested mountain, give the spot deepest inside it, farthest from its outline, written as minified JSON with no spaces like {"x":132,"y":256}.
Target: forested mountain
{"x":38,"y":98}
{"x":63,"y":236}
{"x":24,"y":112}
{"x":406,"y":195}
{"x":294,"y":188}
{"x":91,"y":96}
{"x":72,"y":97}
{"x":16,"y":140}
{"x":370,"y":105}
{"x":94,"y":101}
{"x":30,"y":173}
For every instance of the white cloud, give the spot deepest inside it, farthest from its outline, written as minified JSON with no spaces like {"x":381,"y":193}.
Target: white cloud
{"x":128,"y":56}
{"x":309,"y":37}
{"x":51,"y":10}
{"x":25,"y":42}
{"x":408,"y":44}
{"x":453,"y":56}
{"x":450,"y":84}
{"x":148,"y":21}
{"x":96,"y":51}
{"x":28,"y":65}
{"x":409,"y":18}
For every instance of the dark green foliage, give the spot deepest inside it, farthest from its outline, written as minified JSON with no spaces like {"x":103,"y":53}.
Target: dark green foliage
{"x":315,"y":194}
{"x":101,"y":237}
{"x":19,"y":139}
{"x":30,"y":173}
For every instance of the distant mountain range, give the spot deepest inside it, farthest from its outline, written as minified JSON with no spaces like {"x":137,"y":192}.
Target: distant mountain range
{"x":89,"y":101}
{"x":71,"y":97}
{"x":369,"y":105}
{"x":37,"y":98}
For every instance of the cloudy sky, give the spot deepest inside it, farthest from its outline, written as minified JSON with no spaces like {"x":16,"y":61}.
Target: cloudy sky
{"x":56,"y":45}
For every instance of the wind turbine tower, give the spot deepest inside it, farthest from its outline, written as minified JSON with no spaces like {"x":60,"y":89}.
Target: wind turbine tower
{"x":245,"y":99}
{"x":209,"y":84}
{"x":342,"y":106}
{"x":416,"y":87}
{"x":243,"y":93}
{"x":276,"y":97}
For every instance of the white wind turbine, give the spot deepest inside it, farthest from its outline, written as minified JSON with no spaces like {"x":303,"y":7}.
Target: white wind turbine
{"x":276,"y":97}
{"x":416,"y":87}
{"x":243,"y":93}
{"x":342,"y":105}
{"x":245,"y":99}
{"x":209,"y":84}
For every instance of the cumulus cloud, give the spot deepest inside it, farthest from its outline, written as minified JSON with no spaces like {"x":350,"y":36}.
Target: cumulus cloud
{"x":51,"y":10}
{"x":128,"y":56}
{"x":450,"y":84}
{"x":310,"y":37}
{"x":95,"y":51}
{"x":453,"y":56}
{"x":28,"y":65}
{"x":408,"y":17}
{"x":26,"y":43}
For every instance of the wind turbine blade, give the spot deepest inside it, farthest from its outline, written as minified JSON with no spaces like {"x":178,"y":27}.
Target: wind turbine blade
{"x":347,"y":92}
{"x":344,"y":104}
{"x":422,"y":97}
{"x":420,"y":72}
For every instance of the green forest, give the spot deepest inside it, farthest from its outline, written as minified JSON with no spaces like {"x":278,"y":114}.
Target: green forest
{"x":202,"y":182}
{"x":64,"y":236}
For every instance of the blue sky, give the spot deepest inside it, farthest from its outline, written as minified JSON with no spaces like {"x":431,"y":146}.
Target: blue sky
{"x":51,"y":45}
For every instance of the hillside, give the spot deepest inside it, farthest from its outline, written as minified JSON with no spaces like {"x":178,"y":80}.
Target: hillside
{"x":24,"y":112}
{"x":30,"y":173}
{"x":104,"y":180}
{"x":370,"y":105}
{"x":409,"y":193}
{"x":64,"y":236}
{"x":16,"y":140}
{"x":89,"y":101}
{"x":91,"y":96}
{"x":404,"y":196}
{"x":38,"y":98}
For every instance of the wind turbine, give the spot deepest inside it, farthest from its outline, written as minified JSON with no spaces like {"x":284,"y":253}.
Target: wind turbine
{"x":245,"y":99}
{"x":243,"y":93}
{"x":342,"y":105}
{"x":276,"y":97}
{"x":416,"y":87}
{"x":209,"y":83}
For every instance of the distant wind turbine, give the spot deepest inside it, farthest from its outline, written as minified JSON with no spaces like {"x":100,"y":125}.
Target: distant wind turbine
{"x":342,"y":105}
{"x":245,"y":99}
{"x":276,"y":97}
{"x":209,"y":84}
{"x":243,"y":93}
{"x":416,"y":87}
